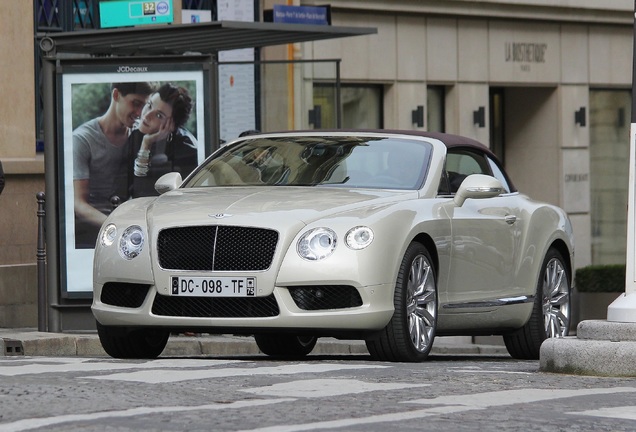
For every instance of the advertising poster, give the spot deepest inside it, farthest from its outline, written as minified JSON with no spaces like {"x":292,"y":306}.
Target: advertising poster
{"x":122,"y":127}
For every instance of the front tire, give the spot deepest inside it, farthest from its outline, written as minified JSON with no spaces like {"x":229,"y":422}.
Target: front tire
{"x":550,"y":312}
{"x":125,"y":343}
{"x":409,"y":336}
{"x":285,"y":346}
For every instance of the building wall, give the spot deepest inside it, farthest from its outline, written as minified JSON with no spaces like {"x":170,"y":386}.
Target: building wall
{"x":460,"y":44}
{"x":469,"y":47}
{"x":24,"y":169}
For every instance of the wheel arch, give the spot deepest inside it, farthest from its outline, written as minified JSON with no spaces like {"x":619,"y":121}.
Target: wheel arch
{"x":428,"y":242}
{"x":525,"y":342}
{"x":563,"y":249}
{"x":547,"y":227}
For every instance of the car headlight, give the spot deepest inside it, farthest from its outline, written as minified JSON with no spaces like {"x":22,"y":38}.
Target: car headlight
{"x":317,"y":244}
{"x":359,"y":237}
{"x":131,"y":242}
{"x":108,"y":235}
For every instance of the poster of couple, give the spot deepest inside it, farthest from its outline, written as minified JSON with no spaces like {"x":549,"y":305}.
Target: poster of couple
{"x":123,"y":127}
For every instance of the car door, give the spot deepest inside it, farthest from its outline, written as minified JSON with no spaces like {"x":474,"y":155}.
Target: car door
{"x":485,"y":237}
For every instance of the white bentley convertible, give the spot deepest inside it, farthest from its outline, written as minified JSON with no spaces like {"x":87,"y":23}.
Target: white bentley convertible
{"x":390,"y":237}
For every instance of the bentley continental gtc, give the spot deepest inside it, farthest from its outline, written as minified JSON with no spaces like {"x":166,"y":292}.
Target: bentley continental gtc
{"x":391,"y":237}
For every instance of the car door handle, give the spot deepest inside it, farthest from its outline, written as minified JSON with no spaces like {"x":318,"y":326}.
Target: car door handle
{"x":510,"y":219}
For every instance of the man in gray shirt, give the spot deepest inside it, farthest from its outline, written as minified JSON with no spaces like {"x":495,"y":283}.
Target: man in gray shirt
{"x":99,"y":157}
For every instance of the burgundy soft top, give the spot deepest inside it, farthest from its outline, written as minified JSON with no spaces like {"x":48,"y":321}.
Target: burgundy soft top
{"x":449,"y":139}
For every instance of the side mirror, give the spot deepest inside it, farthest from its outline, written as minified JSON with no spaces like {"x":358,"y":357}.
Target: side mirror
{"x":168,"y":182}
{"x":478,"y":186}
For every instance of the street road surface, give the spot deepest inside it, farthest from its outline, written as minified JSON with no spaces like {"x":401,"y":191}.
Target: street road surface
{"x":342,"y":393}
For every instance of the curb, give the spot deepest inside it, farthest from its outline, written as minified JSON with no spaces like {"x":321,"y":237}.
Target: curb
{"x":600,"y":348}
{"x":34,"y":343}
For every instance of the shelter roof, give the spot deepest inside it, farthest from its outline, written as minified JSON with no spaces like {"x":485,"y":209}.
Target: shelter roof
{"x":204,"y":38}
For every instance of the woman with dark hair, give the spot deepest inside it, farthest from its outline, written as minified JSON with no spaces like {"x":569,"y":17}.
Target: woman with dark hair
{"x":159,"y":143}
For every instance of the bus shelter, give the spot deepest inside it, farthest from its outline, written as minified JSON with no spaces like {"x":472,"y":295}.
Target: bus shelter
{"x":74,"y":66}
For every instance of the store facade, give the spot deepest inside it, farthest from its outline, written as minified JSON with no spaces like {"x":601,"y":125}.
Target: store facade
{"x":547,"y":87}
{"x":546,"y":84}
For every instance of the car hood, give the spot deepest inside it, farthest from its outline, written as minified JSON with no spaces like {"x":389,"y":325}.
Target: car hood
{"x":265,"y":206}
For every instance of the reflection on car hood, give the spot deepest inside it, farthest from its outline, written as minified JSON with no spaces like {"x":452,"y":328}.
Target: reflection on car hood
{"x":263,"y":206}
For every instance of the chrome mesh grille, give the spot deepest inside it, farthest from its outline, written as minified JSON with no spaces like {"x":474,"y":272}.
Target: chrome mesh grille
{"x":216,"y":248}
{"x":222,"y":307}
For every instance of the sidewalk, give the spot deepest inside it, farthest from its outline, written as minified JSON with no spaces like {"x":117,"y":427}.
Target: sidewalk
{"x":30,"y":342}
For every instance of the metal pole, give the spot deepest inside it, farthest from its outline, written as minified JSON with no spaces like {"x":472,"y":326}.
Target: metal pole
{"x":50,"y":173}
{"x":215,"y":103}
{"x":41,"y":262}
{"x":338,"y":97}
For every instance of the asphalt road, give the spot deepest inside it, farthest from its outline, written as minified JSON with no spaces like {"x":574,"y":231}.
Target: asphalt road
{"x":323,"y":392}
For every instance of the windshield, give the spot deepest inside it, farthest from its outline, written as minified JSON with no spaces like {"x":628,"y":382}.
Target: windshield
{"x":345,"y":161}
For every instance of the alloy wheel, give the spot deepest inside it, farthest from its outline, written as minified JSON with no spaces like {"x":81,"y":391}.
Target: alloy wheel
{"x":556,"y":299}
{"x":421,"y":304}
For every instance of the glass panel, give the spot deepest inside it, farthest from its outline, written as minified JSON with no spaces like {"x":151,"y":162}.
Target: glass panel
{"x":609,"y":172}
{"x":48,"y":15}
{"x":84,"y":14}
{"x":275,"y":96}
{"x":361,"y":107}
{"x":334,"y":161}
{"x":198,"y":5}
{"x":435,"y":113}
{"x":325,"y":99}
{"x":461,"y":164}
{"x":497,"y":132}
{"x":498,"y":174}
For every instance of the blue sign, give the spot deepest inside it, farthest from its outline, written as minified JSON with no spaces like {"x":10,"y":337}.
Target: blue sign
{"x":315,"y":15}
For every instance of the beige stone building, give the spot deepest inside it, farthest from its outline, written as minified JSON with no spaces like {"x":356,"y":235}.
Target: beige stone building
{"x":24,"y":169}
{"x":545,"y":83}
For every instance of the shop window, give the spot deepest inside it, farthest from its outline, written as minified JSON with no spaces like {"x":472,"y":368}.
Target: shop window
{"x":361,"y":106}
{"x":200,"y":5}
{"x":497,"y":132}
{"x":609,"y":171}
{"x":65,"y":15}
{"x":435,"y":96}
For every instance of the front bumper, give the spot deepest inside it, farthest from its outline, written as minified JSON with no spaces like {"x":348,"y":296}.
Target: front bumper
{"x":280,"y":310}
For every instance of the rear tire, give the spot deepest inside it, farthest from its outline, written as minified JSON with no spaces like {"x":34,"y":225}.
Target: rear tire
{"x":550,"y":312}
{"x":285,"y":346}
{"x":409,"y":336}
{"x":126,"y":343}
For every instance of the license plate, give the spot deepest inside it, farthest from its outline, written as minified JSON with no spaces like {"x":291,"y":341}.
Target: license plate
{"x":213,"y":287}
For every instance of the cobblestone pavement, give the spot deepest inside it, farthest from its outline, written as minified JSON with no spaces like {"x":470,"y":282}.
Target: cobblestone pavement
{"x":347,"y":392}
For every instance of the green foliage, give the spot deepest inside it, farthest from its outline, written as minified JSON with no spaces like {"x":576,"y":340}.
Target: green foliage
{"x":89,"y":101}
{"x":601,"y":278}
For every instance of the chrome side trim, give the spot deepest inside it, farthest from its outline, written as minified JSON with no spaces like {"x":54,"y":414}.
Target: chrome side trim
{"x":491,"y":303}
{"x":486,"y":189}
